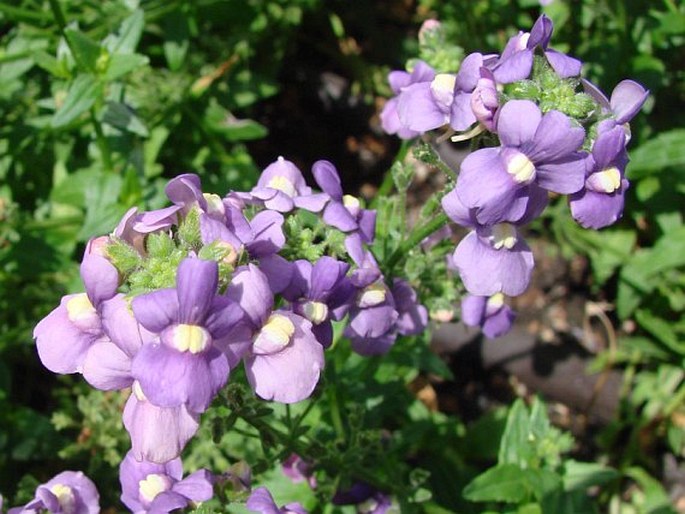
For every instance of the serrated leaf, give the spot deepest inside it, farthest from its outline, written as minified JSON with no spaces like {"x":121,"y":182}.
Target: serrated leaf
{"x":503,"y":483}
{"x":85,"y":50}
{"x":121,"y":64}
{"x":664,"y":151}
{"x":581,"y":475}
{"x":82,"y":94}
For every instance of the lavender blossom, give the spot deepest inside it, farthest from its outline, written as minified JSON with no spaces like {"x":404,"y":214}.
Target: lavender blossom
{"x":399,"y":81}
{"x":70,"y":492}
{"x":627,"y":99}
{"x":158,"y":434}
{"x":281,"y":187}
{"x":64,"y":336}
{"x":493,"y":258}
{"x":485,"y":99}
{"x":147,"y":487}
{"x":600,"y":202}
{"x":491,"y":314}
{"x":343,"y":211}
{"x":367,"y":499}
{"x":299,"y":470}
{"x":320,"y":293}
{"x":261,"y":501}
{"x":516,"y":61}
{"x":283,"y":359}
{"x":537,"y":151}
{"x":444,"y":100}
{"x":185,"y":365}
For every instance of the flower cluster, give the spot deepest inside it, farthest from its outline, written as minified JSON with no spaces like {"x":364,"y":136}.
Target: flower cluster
{"x":539,"y":128}
{"x":177,"y":298}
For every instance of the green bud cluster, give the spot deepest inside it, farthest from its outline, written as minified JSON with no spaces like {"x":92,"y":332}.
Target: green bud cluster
{"x":156,"y":267}
{"x":552,"y":92}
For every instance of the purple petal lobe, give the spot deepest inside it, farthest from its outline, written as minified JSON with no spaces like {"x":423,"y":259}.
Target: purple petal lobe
{"x":156,"y":310}
{"x":290,"y":375}
{"x":196,"y":283}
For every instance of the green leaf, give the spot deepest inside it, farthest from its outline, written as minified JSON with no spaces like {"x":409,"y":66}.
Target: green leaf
{"x":661,"y":329}
{"x":85,"y":50}
{"x":50,"y":64}
{"x":664,"y":151}
{"x":176,"y":39}
{"x":121,"y":64}
{"x":121,"y":116}
{"x":221,"y":121}
{"x":102,"y":210}
{"x":126,"y":41}
{"x":82,"y":94}
{"x":581,"y":475}
{"x":503,"y":483}
{"x":514,"y":447}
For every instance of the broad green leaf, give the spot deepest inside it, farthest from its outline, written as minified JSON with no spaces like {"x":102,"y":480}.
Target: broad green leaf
{"x":581,"y":475}
{"x":81,"y":96}
{"x":85,"y":50}
{"x":121,"y":64}
{"x":664,"y":151}
{"x":121,"y":116}
{"x":503,"y":483}
{"x":515,"y":447}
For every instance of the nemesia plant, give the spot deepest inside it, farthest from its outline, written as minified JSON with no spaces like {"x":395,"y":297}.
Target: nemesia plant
{"x":272,"y":286}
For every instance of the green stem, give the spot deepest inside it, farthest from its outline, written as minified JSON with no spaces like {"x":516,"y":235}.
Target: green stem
{"x":388,"y":183}
{"x":59,"y":17}
{"x":102,"y":142}
{"x":418,"y":234}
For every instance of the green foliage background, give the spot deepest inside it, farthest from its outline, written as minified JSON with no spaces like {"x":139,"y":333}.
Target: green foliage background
{"x":102,"y":102}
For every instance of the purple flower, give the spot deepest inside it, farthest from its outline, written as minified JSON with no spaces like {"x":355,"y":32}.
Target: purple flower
{"x":261,"y":501}
{"x":281,"y":187}
{"x":372,"y":320}
{"x":70,"y":492}
{"x":320,"y":293}
{"x":600,"y":202}
{"x":412,"y":316}
{"x":446,"y":99}
{"x":516,"y":61}
{"x":185,"y":365}
{"x":158,"y":434}
{"x":368,"y":499}
{"x":262,"y":237}
{"x":343,"y":211}
{"x":490,"y":313}
{"x":536,"y":151}
{"x":64,"y":336}
{"x":299,"y":470}
{"x":161,"y":488}
{"x":283,"y":359}
{"x":485,"y":99}
{"x":400,"y":80}
{"x":627,"y":99}
{"x":493,"y":258}
{"x":107,"y":364}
